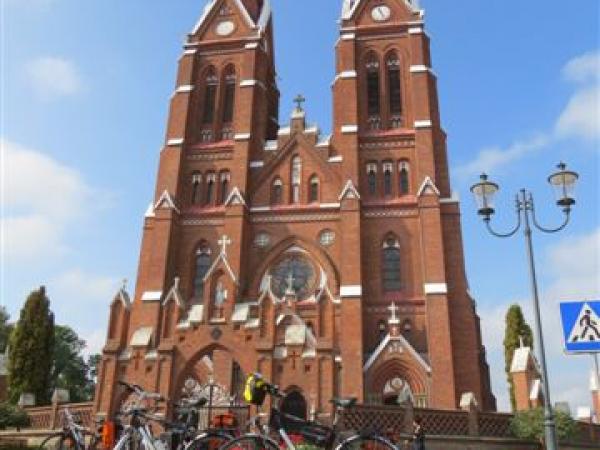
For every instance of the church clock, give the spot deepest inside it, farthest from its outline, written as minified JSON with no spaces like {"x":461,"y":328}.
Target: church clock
{"x":381,"y":13}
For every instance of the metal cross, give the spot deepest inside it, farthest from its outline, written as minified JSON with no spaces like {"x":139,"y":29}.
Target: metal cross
{"x":224,"y":242}
{"x":393,"y":309}
{"x":299,"y":100}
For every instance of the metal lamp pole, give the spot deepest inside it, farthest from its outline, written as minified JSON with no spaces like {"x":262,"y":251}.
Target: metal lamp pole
{"x":564,"y":182}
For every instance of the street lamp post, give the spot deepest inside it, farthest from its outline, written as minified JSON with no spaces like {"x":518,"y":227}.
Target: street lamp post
{"x":563,"y":181}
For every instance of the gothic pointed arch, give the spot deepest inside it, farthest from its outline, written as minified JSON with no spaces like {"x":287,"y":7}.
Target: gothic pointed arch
{"x":295,"y":244}
{"x":394,"y":89}
{"x":203,"y":258}
{"x":391,"y":258}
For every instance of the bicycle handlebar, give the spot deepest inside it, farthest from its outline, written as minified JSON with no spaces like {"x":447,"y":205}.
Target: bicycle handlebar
{"x":141,"y":392}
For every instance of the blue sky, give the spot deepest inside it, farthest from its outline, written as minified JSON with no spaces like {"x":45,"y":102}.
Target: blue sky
{"x":85,"y":90}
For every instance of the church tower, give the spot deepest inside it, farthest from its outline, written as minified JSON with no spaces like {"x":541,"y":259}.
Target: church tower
{"x":331,"y":264}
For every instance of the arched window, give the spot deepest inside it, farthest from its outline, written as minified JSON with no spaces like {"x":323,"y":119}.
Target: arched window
{"x":196,"y":188}
{"x":296,"y":178}
{"x":277,"y":192}
{"x":313,"y":194}
{"x":224,"y":188}
{"x":373,"y":89}
{"x":372,"y":178}
{"x":382,"y":329}
{"x":387,"y":178}
{"x":203,"y":262}
{"x":394,"y":89}
{"x":210,"y":95}
{"x":391,"y":265}
{"x":229,"y":94}
{"x":403,"y":174}
{"x":209,"y":198}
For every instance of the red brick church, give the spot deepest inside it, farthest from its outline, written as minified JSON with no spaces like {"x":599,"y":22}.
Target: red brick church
{"x":331,"y":264}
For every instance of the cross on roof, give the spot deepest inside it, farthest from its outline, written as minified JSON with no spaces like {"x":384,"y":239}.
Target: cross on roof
{"x":393,"y":310}
{"x":224,"y":242}
{"x":299,"y":100}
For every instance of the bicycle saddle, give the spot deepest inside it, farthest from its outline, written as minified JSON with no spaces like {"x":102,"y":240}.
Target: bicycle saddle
{"x":344,"y":402}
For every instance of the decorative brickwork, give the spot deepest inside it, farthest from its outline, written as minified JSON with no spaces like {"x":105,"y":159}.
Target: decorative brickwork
{"x":288,"y":247}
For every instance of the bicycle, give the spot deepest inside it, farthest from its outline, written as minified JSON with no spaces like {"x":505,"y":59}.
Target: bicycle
{"x":178,"y":435}
{"x":71,"y":437}
{"x":313,"y":433}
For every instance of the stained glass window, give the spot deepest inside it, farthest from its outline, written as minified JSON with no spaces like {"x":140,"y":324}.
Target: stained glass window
{"x":295,"y":274}
{"x":391,"y":266}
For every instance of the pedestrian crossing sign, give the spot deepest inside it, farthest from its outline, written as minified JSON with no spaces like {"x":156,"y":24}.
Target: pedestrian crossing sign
{"x":581,"y":326}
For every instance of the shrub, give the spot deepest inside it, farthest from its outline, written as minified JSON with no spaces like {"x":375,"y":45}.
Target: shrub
{"x":12,"y":417}
{"x":530,"y":425}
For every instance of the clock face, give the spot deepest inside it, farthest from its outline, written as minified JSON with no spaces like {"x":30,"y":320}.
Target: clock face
{"x":381,"y":13}
{"x":225,"y":28}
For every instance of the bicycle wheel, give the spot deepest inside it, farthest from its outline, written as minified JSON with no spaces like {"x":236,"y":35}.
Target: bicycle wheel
{"x":359,"y":442}
{"x":209,"y":440}
{"x":251,"y":442}
{"x":59,"y":441}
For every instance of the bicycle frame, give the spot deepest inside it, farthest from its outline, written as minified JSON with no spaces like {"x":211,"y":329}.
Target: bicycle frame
{"x":147,"y":439}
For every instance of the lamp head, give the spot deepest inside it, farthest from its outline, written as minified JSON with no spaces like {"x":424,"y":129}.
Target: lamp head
{"x":484,"y":193}
{"x":563,"y":182}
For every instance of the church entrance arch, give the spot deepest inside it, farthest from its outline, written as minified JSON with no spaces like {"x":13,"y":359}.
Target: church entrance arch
{"x":294,"y":404}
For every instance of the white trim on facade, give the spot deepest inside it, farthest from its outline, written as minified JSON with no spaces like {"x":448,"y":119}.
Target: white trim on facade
{"x":416,"y":30}
{"x":423,"y":123}
{"x":151,"y":296}
{"x":381,"y":347}
{"x":427,"y":183}
{"x":256,"y":164}
{"x":175,"y":142}
{"x":336,"y":159}
{"x":270,"y":146}
{"x":185,"y":88}
{"x":435,"y":288}
{"x":351,"y":290}
{"x":348,"y":36}
{"x":251,"y":83}
{"x":241,"y":137}
{"x":349,"y":129}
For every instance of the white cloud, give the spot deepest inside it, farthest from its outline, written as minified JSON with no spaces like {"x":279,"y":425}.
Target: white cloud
{"x":41,"y":199}
{"x":74,"y":293}
{"x":583,"y":68}
{"x":77,"y":284}
{"x":581,"y":116}
{"x":53,"y":77}
{"x":579,"y":119}
{"x":492,"y":159}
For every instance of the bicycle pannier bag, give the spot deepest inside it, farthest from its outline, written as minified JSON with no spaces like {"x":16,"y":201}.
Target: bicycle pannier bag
{"x":255,"y":390}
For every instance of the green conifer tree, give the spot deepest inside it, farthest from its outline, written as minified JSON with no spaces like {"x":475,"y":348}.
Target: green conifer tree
{"x":31,"y":350}
{"x":516,"y":329}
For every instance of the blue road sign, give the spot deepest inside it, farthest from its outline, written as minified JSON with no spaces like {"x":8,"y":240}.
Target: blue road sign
{"x":581,"y":326}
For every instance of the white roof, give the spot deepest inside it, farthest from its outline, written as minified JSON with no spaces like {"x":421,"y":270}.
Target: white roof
{"x":142,"y":337}
{"x":196,"y":314}
{"x":349,"y":7}
{"x":521,"y":360}
{"x":536,"y":387}
{"x":295,"y":335}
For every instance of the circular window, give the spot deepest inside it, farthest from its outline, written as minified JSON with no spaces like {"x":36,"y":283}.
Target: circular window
{"x":326,"y":238}
{"x":293,"y":275}
{"x":262,"y":240}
